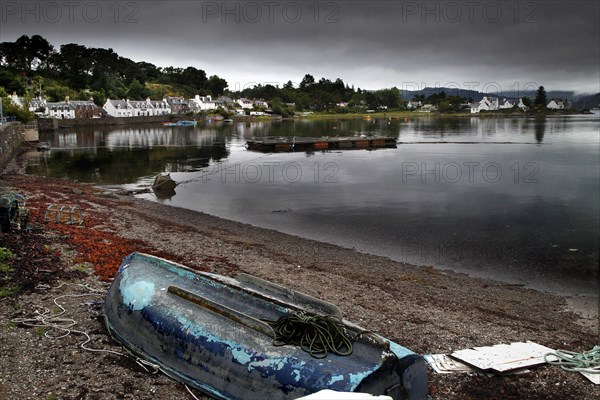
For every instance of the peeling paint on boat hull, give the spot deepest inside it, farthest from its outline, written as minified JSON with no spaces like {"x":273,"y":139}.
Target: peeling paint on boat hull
{"x":215,"y":341}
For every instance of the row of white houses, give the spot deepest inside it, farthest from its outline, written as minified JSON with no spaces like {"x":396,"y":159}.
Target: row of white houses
{"x":69,"y":109}
{"x":489,"y":103}
{"x":136,"y":108}
{"x":494,"y":104}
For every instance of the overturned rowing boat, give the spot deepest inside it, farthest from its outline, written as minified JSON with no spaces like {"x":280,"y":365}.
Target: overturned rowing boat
{"x":212,"y":332}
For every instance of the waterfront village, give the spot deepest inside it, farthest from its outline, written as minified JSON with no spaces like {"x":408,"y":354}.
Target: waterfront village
{"x":70,"y":109}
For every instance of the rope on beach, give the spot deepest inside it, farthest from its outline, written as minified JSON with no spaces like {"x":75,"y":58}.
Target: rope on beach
{"x":588,"y":361}
{"x":43,"y":317}
{"x":317,"y":335}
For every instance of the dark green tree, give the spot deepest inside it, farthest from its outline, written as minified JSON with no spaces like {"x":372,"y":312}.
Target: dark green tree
{"x":12,"y":82}
{"x":389,"y":98}
{"x":307,"y":82}
{"x":215,"y":85}
{"x":11,"y":56}
{"x":136,"y":91}
{"x":37,"y":52}
{"x":9,"y":109}
{"x":57,"y":93}
{"x":540,"y":97}
{"x":74,"y":63}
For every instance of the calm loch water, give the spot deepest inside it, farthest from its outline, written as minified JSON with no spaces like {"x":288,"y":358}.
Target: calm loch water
{"x":516,"y":199}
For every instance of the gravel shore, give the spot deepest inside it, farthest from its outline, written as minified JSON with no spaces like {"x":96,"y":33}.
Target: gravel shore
{"x":424,"y":309}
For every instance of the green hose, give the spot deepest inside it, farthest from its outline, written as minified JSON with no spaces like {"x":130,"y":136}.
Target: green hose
{"x":317,"y":335}
{"x":588,"y":361}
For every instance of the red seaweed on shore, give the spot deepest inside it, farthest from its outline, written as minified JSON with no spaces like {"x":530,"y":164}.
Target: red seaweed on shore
{"x":95,"y":241}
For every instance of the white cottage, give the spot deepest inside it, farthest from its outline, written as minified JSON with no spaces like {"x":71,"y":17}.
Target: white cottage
{"x":62,"y":110}
{"x":141,"y":108}
{"x":245,"y":103}
{"x":261,"y":103}
{"x":118,"y":108}
{"x":486,"y":104}
{"x":161,"y":107}
{"x":522,"y":105}
{"x":203,"y":103}
{"x":37,"y":106}
{"x":556,"y":104}
{"x":411,"y":105}
{"x":506,"y":104}
{"x":428,"y":108}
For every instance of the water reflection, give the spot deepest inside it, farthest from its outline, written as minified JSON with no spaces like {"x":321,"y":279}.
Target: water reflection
{"x":540,"y":129}
{"x":122,"y":156}
{"x":519,"y":212}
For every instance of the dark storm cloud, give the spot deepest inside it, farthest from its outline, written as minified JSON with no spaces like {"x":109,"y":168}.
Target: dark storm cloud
{"x":369,"y":43}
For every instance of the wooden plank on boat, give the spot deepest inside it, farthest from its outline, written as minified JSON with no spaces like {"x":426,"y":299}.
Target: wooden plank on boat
{"x":223,"y":310}
{"x":285,"y":294}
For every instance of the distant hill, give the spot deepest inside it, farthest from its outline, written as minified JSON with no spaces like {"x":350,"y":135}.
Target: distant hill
{"x":587,"y":101}
{"x":579,"y":101}
{"x":428,"y":91}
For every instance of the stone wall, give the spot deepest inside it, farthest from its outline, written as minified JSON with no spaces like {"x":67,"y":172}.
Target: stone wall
{"x":11,"y":137}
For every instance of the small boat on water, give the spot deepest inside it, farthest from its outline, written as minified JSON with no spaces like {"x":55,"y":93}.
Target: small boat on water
{"x":43,"y":146}
{"x":187,"y":123}
{"x":169,"y":123}
{"x":215,"y":333}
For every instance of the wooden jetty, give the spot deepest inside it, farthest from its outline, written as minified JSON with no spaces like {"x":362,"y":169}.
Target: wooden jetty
{"x":275,"y":145}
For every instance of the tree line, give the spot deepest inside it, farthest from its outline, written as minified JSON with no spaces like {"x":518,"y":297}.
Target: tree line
{"x":31,"y":65}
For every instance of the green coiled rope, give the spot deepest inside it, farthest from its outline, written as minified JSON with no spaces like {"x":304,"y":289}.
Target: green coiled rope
{"x":588,"y":361}
{"x":317,"y":335}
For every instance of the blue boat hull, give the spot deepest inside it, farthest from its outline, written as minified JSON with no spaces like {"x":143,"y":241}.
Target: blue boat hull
{"x":208,"y":331}
{"x":187,"y":123}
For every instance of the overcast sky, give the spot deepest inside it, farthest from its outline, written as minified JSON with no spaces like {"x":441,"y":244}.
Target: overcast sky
{"x":483,"y":45}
